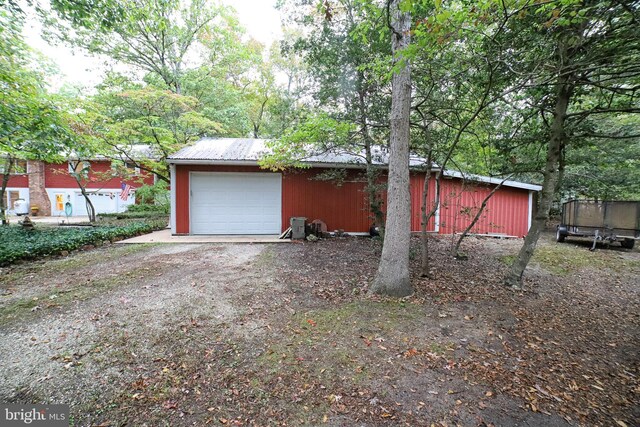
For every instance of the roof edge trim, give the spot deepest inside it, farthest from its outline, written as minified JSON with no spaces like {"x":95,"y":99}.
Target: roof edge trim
{"x":489,"y":180}
{"x":447,"y":173}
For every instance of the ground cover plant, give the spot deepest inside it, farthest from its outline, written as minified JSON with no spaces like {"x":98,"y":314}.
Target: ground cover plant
{"x":17,"y":243}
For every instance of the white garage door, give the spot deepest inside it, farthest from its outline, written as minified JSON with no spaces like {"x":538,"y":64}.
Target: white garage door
{"x":235,"y":203}
{"x":103,"y":202}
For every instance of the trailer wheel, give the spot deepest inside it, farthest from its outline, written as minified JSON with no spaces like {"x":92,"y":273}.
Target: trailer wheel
{"x":560,"y":236}
{"x":628,"y":243}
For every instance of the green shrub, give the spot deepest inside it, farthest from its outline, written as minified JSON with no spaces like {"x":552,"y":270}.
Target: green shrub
{"x":148,"y":208}
{"x":135,"y":215}
{"x":156,"y":197}
{"x":17,"y":243}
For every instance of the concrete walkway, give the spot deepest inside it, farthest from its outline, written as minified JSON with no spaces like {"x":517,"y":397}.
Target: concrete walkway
{"x":164,"y":236}
{"x":60,"y":219}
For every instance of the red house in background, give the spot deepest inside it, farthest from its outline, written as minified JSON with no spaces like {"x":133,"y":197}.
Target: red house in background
{"x":217,"y":187}
{"x":49,"y":186}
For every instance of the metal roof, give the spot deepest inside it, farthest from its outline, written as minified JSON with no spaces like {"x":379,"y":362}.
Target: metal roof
{"x":225,"y":149}
{"x":490,"y":180}
{"x":133,"y":151}
{"x":247,"y":151}
{"x":251,"y":150}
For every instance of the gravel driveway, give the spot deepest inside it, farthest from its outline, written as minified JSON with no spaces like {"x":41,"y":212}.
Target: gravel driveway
{"x":68,"y":324}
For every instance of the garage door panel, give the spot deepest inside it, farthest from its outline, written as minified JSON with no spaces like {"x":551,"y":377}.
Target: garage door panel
{"x":236,"y":203}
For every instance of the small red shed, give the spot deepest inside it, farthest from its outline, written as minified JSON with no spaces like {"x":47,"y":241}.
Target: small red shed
{"x":217,"y":187}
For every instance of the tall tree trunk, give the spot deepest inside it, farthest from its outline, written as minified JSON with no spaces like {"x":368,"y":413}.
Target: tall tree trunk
{"x":392,"y":277}
{"x":564,"y":90}
{"x":476,"y":218}
{"x":3,"y":191}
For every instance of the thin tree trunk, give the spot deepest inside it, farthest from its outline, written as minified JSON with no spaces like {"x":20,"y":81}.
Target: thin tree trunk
{"x":3,"y":191}
{"x":77,"y":175}
{"x":258,"y":122}
{"x":424,"y":220}
{"x":476,"y":218}
{"x":557,"y":140}
{"x":372,"y":178}
{"x":425,"y":265}
{"x":91,"y":210}
{"x":375,"y":201}
{"x":483,"y":104}
{"x":392,"y":277}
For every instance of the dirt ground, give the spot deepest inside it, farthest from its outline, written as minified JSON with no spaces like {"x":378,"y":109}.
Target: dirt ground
{"x":204,"y":334}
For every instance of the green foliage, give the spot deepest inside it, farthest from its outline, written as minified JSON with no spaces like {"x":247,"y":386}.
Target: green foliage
{"x":196,"y":48}
{"x":31,"y":125}
{"x":220,"y":100}
{"x":83,"y":12}
{"x":17,"y":243}
{"x":346,"y":47}
{"x":462,"y":49}
{"x":153,"y":36}
{"x":604,"y":168}
{"x":142,"y":126}
{"x":241,"y":87}
{"x":314,"y":136}
{"x":156,"y":195}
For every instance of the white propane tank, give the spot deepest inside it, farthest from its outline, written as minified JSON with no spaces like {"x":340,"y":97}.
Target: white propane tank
{"x":21,"y":207}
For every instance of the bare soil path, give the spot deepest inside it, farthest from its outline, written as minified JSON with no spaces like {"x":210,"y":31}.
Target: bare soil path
{"x":191,"y":334}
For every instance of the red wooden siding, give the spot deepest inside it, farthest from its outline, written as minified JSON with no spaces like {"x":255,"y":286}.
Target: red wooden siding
{"x":17,"y":181}
{"x":340,"y":207}
{"x":506,"y":212}
{"x":57,"y":176}
{"x":345,"y":207}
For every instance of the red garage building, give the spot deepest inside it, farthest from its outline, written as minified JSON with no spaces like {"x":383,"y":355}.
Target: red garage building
{"x":218,"y":188}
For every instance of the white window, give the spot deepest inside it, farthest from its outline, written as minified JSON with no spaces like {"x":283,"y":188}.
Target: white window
{"x":129,"y":167}
{"x":79,"y":167}
{"x":132,"y":167}
{"x":19,"y":167}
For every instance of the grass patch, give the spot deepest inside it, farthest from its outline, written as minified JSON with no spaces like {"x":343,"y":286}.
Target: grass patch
{"x":77,"y":292}
{"x":361,"y":315}
{"x":22,"y":273}
{"x":332,"y":343}
{"x":266,"y":258}
{"x":507,"y":259}
{"x":562,"y":260}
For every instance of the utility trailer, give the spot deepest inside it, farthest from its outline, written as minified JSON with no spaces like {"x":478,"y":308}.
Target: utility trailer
{"x":608,"y":221}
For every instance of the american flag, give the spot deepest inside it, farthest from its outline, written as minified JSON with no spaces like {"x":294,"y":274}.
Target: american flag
{"x":126,"y":189}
